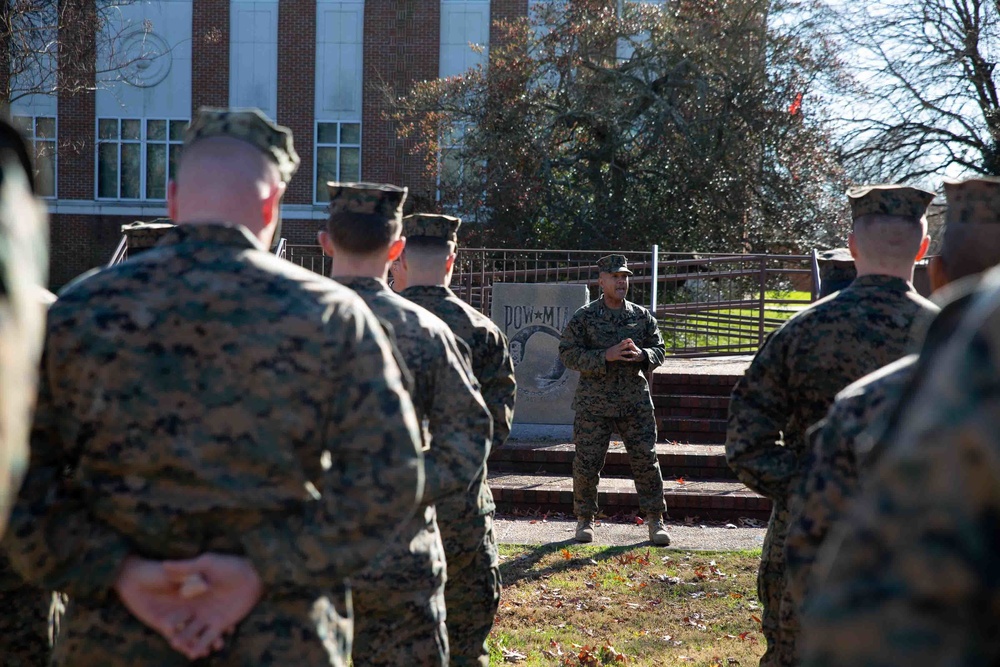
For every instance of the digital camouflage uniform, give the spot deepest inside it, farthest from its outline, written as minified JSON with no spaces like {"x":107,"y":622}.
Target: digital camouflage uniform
{"x":613,"y":396}
{"x":472,"y":593}
{"x":794,"y":378}
{"x":210,"y":397}
{"x":24,"y":618}
{"x":909,"y":574}
{"x":399,"y":602}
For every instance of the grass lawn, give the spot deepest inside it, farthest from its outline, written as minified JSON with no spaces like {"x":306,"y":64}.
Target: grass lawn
{"x":597,"y":605}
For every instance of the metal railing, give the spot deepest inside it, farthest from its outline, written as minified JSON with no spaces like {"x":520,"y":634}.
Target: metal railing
{"x":706,"y":304}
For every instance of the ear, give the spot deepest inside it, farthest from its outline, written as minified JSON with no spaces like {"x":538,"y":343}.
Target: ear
{"x":937,"y":271}
{"x":396,"y":248}
{"x":926,"y":243}
{"x":852,"y":245}
{"x":172,"y":200}
{"x":450,"y":262}
{"x":271,"y":204}
{"x":326,"y":242}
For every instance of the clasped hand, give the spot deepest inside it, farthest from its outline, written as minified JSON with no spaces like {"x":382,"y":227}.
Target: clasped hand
{"x":191,"y":603}
{"x":624,"y":351}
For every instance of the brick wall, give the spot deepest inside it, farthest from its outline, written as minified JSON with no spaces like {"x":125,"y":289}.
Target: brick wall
{"x":296,"y":88}
{"x":402,"y":46}
{"x":505,"y":10}
{"x":77,"y":62}
{"x":81,"y":242}
{"x":209,"y":53}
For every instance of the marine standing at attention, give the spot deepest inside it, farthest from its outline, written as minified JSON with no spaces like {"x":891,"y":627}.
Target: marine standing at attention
{"x":399,"y":602}
{"x":800,"y":368}
{"x":472,"y":593}
{"x":615,"y":345}
{"x":210,"y":413}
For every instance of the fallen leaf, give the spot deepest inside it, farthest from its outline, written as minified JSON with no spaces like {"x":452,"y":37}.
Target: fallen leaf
{"x":639,"y":521}
{"x":680,"y":480}
{"x":532,"y":522}
{"x":566,"y":554}
{"x":513,"y":656}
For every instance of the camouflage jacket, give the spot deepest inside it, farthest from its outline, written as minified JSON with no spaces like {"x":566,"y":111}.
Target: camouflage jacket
{"x":491,"y":363}
{"x":910,"y":572}
{"x":23,"y":268}
{"x":796,"y":374}
{"x":208,"y":396}
{"x":611,"y":388}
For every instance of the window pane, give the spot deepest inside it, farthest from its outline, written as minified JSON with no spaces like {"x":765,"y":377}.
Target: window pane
{"x":326,"y":170}
{"x":45,"y":128}
{"x":107,"y":170}
{"x":350,"y":133}
{"x":131,"y":171}
{"x":156,"y":130}
{"x":45,"y":166}
{"x":175,"y":153}
{"x":177,"y":128}
{"x":156,"y":171}
{"x":326,"y":133}
{"x":350,"y":164}
{"x":107,"y":128}
{"x":131,"y":129}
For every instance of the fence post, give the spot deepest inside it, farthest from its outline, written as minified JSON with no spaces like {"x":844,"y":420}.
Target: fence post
{"x":656,"y":276}
{"x":762,"y":299}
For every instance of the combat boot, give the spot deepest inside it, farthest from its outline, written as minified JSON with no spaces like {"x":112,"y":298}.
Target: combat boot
{"x":658,"y":534}
{"x":585,"y":530}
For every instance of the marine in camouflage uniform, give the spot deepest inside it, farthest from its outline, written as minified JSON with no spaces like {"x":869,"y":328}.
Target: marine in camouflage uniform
{"x":209,"y":397}
{"x":801,"y":367}
{"x":23,"y":266}
{"x":850,"y":431}
{"x":399,"y":601}
{"x":472,"y":593}
{"x":909,"y":573}
{"x":614,"y":396}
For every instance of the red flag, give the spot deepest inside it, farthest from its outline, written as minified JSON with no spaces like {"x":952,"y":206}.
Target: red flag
{"x":796,"y":105}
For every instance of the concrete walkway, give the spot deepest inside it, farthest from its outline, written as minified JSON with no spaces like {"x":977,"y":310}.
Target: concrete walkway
{"x":692,"y":537}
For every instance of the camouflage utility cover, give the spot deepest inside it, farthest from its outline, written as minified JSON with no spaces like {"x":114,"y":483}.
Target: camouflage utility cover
{"x":895,"y":200}
{"x":613,"y":264}
{"x":432,"y":225}
{"x":251,"y":126}
{"x":379,"y":200}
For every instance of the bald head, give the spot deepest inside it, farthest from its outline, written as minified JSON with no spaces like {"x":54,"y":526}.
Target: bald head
{"x":888,"y":244}
{"x":220,"y":179}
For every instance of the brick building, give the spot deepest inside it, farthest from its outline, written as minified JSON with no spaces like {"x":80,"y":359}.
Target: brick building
{"x":318,"y":66}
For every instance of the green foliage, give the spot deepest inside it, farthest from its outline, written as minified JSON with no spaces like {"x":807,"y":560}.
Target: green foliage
{"x":692,"y":125}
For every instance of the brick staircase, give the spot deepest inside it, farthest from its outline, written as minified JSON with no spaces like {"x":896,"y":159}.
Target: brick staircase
{"x":691,"y":412}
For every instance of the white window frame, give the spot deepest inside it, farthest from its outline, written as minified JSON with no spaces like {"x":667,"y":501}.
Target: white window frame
{"x":34,"y":139}
{"x":319,"y":189}
{"x":144,"y":142}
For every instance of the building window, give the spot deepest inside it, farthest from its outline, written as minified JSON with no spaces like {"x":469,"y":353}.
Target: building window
{"x":40,"y":131}
{"x":136,"y":157}
{"x":338,"y":155}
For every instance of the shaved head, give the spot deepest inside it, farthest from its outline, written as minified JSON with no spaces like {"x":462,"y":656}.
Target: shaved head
{"x":888,"y":244}
{"x":428,"y":261}
{"x":220,"y":179}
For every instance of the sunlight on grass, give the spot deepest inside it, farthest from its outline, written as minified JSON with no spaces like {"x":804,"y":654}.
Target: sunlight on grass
{"x":592,"y":605}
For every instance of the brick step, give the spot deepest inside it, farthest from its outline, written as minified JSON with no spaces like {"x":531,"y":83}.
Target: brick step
{"x":667,"y":383}
{"x":676,"y":460}
{"x":691,"y":405}
{"x":698,"y":431}
{"x":720,"y":500}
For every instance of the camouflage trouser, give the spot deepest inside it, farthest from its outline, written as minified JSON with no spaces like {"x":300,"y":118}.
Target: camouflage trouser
{"x":399,"y":608}
{"x":592,"y":436}
{"x":289,"y":631}
{"x":24,"y":621}
{"x":472,"y":594}
{"x":771,"y":586}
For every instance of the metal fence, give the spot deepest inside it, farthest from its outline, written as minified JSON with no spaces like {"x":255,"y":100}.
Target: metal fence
{"x":706,"y":304}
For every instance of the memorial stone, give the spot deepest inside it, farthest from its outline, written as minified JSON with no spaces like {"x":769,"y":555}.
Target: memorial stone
{"x":533,"y":317}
